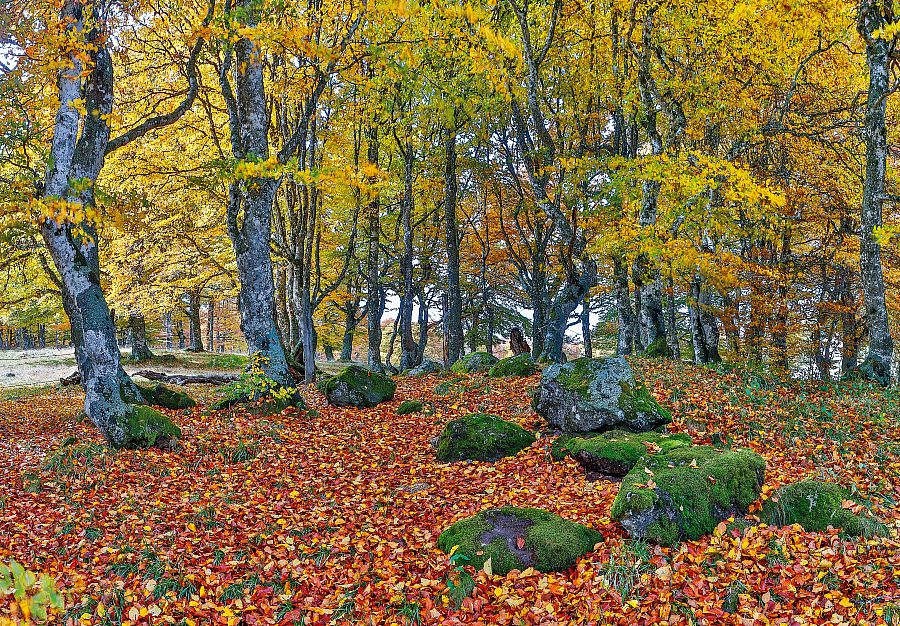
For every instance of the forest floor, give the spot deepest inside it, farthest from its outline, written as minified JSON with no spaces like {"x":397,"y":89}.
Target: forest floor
{"x":35,"y":368}
{"x":332,"y":516}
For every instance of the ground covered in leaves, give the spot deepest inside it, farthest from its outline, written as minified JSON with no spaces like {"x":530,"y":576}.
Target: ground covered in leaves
{"x":332,"y":516}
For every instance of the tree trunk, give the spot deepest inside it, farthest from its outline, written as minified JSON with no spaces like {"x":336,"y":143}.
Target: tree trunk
{"x":881,"y":346}
{"x":625,"y":342}
{"x":409,"y":351}
{"x":76,"y":157}
{"x":451,"y":239}
{"x":586,"y":327}
{"x":139,"y":349}
{"x":671,"y":326}
{"x":374,"y":305}
{"x":249,"y":212}
{"x":211,"y":325}
{"x":196,"y":331}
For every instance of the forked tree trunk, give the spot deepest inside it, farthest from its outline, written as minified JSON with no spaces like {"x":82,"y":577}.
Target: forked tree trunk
{"x":409,"y":351}
{"x":374,"y":304}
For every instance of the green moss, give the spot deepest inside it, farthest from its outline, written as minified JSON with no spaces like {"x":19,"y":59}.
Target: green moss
{"x":617,"y":451}
{"x":481,"y":437}
{"x":160,"y":395}
{"x":476,"y":362}
{"x":408,"y":407}
{"x":521,"y":365}
{"x":816,"y":505}
{"x":658,"y":348}
{"x":636,"y":400}
{"x":551,"y":543}
{"x":362,"y":387}
{"x":693,"y":487}
{"x":145,"y":427}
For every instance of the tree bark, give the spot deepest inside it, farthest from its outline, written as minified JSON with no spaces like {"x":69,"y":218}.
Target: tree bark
{"x":249,"y":211}
{"x":625,"y":341}
{"x":374,"y":304}
{"x":881,"y":346}
{"x":196,"y":331}
{"x":451,"y":241}
{"x":409,"y":351}
{"x":139,"y":349}
{"x":586,"y":327}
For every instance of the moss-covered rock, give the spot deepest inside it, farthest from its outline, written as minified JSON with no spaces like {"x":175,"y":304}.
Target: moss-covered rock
{"x":477,"y":362}
{"x":427,"y":366}
{"x":616,"y":452}
{"x":160,"y":395}
{"x":359,"y":387}
{"x":522,"y":365}
{"x":408,"y":407}
{"x":145,"y":428}
{"x":816,"y":505}
{"x":658,"y":349}
{"x":685,"y":493}
{"x":481,"y":437}
{"x":595,"y":395}
{"x":516,"y":538}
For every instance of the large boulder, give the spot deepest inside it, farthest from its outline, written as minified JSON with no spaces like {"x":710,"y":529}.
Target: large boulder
{"x":816,"y":505}
{"x":477,"y":362}
{"x":427,"y":366}
{"x":359,"y":387}
{"x":160,"y":395}
{"x":521,"y":365}
{"x":587,"y":395}
{"x":616,"y":452}
{"x":481,"y":437}
{"x":685,"y":493}
{"x":515,"y":538}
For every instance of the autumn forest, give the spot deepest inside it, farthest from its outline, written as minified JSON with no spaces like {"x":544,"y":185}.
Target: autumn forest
{"x":439,"y":312}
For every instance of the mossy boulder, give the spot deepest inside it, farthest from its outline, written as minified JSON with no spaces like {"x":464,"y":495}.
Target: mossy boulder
{"x":522,"y":365}
{"x":166,"y":397}
{"x":816,"y":505}
{"x":408,"y":407}
{"x":616,"y":452}
{"x":686,"y":492}
{"x":427,"y":366}
{"x":477,"y":362}
{"x":658,"y":349}
{"x":595,"y":395}
{"x":517,"y":538}
{"x":481,"y":437}
{"x":145,"y":427}
{"x":359,"y":387}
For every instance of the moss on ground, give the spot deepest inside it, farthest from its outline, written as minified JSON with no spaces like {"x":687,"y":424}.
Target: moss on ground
{"x":160,"y":395}
{"x":407,"y":407}
{"x":521,"y":365}
{"x":685,"y":493}
{"x":548,"y":542}
{"x":816,"y":505}
{"x":481,"y":437}
{"x":476,"y":362}
{"x":616,"y":452}
{"x":145,"y":427}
